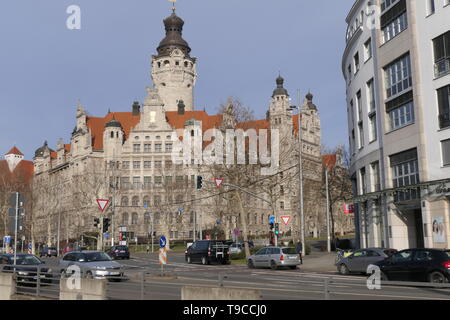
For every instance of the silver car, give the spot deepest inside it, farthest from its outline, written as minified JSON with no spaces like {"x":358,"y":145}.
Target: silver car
{"x":359,"y":260}
{"x":92,"y":264}
{"x":274,"y":257}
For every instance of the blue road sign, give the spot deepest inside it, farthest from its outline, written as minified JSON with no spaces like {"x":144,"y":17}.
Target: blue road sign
{"x":218,"y":221}
{"x":162,"y":242}
{"x":272,"y":219}
{"x":145,"y":205}
{"x":106,"y":235}
{"x":7,"y":239}
{"x":30,"y":246}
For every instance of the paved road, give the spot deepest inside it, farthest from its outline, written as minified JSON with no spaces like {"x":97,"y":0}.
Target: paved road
{"x":297,"y":284}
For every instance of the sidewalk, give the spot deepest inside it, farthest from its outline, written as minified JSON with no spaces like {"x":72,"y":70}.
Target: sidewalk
{"x":319,"y":262}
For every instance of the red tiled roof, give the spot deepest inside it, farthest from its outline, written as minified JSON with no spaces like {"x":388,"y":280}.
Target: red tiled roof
{"x":177,"y":121}
{"x":22,"y":173}
{"x":14,"y":150}
{"x":67,"y":148}
{"x":97,"y":126}
{"x":329,"y":160}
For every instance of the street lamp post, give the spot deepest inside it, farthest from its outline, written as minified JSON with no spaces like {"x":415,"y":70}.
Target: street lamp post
{"x":328,"y":210}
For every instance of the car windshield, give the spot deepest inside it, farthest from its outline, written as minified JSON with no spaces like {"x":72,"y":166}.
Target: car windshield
{"x":26,"y":260}
{"x":121,"y":248}
{"x":289,"y":251}
{"x":96,"y":256}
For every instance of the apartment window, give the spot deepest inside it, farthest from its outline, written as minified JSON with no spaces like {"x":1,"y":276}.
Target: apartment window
{"x":134,"y":218}
{"x":356,"y":62}
{"x":282,"y":205}
{"x":147,"y":182}
{"x":368,"y":49}
{"x":402,"y":116}
{"x":405,"y":172}
{"x":394,"y":21}
{"x":353,"y":141}
{"x":125,"y":220}
{"x":386,"y":4}
{"x":444,"y":107}
{"x":136,"y":148}
{"x":125,"y":164}
{"x":373,"y":127}
{"x":135,"y":201}
{"x":431,"y":7}
{"x":168,"y":164}
{"x":398,"y":76}
{"x":363,"y":185}
{"x":157,"y":200}
{"x":147,"y":164}
{"x":136,"y":164}
{"x":136,"y":183}
{"x":158,"y":147}
{"x":125,"y":183}
{"x":361,"y":135}
{"x":168,"y":147}
{"x":158,"y":182}
{"x":441,"y":46}
{"x":124,"y":202}
{"x":445,"y":145}
{"x":158,"y":164}
{"x":146,"y":202}
{"x":371,"y":95}
{"x":147,"y":147}
{"x":375,"y":168}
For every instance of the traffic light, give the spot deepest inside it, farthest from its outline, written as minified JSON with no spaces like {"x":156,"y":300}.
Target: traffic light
{"x":199,"y":182}
{"x":106,"y":223}
{"x":277,"y":229}
{"x":96,"y":222}
{"x":272,"y":238}
{"x":272,"y":225}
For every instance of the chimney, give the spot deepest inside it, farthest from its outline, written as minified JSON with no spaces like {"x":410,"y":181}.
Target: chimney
{"x":136,"y":108}
{"x":181,"y":107}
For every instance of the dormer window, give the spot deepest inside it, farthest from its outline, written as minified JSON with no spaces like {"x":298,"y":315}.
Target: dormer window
{"x":112,"y":134}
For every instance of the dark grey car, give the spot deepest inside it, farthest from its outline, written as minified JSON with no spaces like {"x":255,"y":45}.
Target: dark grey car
{"x":359,"y":260}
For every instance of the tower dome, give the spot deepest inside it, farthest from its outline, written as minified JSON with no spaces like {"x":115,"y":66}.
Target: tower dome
{"x":174,"y":30}
{"x":113,"y":123}
{"x":280,"y":90}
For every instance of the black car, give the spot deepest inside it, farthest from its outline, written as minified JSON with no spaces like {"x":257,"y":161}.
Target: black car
{"x":26,"y":268}
{"x":207,"y":251}
{"x":417,"y":265}
{"x":119,"y":252}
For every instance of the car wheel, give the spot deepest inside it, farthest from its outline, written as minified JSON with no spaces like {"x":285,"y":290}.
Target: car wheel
{"x":273,"y":265}
{"x":205,"y":261}
{"x":383,"y":277}
{"x":437,"y":277}
{"x":189,"y":260}
{"x":250,"y":264}
{"x":343,"y":269}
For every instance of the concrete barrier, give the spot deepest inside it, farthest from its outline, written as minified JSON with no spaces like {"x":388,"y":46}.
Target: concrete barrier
{"x":90,"y":289}
{"x":7,"y":286}
{"x":218,"y":293}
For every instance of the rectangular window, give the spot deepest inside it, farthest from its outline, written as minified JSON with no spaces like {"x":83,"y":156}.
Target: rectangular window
{"x":373,"y":127}
{"x":444,"y":107}
{"x":405,"y":172}
{"x":441,"y":46}
{"x":431,"y":7}
{"x":394,"y":21}
{"x":147,"y":164}
{"x":168,"y":147}
{"x":168,"y":164}
{"x":398,"y":76}
{"x":158,"y":164}
{"x":368,"y":49}
{"x":158,"y":182}
{"x":371,"y":95}
{"x":125,"y":164}
{"x":136,"y":183}
{"x":168,"y":181}
{"x":158,"y":147}
{"x":147,"y":147}
{"x":386,"y":4}
{"x":359,"y":102}
{"x":363,"y":184}
{"x":136,"y":148}
{"x":356,"y":62}
{"x":361,"y":135}
{"x":445,"y":152}
{"x":147,"y":182}
{"x":136,"y":164}
{"x":375,"y":168}
{"x":402,"y":116}
{"x":125,"y":183}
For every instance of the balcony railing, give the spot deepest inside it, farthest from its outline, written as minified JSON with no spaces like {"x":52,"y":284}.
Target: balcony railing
{"x":444,"y":120}
{"x":442,"y":68}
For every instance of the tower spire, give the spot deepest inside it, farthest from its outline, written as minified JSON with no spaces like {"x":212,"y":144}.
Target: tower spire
{"x":173,"y":5}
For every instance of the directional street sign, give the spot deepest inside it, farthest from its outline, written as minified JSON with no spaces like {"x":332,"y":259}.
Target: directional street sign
{"x":162,"y":242}
{"x":7,"y":239}
{"x":218,"y":182}
{"x":102,"y":204}
{"x":272,"y":219}
{"x":285,"y":219}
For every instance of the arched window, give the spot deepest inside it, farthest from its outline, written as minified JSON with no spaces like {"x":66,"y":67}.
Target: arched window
{"x":112,"y":134}
{"x":186,"y":64}
{"x":134,"y":218}
{"x":147,"y":202}
{"x":124,"y":202}
{"x":157,"y":216}
{"x":166,"y":62}
{"x":147,"y":218}
{"x":125,"y":218}
{"x":135,"y":201}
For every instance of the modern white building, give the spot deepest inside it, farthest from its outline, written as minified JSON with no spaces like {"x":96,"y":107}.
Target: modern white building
{"x":397,"y":70}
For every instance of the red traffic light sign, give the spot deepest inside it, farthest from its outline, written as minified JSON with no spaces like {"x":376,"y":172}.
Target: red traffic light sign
{"x":102,"y":204}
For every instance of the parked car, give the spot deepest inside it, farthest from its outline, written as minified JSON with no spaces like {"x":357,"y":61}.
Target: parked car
{"x":26,"y":268}
{"x":236,"y":248}
{"x":92,"y":264}
{"x":119,"y":252}
{"x":48,"y":252}
{"x":274,"y":257}
{"x":417,"y":265}
{"x":359,"y":260}
{"x":207,"y":251}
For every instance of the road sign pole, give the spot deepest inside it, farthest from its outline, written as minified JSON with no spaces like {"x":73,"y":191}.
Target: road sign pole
{"x":151,"y":215}
{"x":15,"y":229}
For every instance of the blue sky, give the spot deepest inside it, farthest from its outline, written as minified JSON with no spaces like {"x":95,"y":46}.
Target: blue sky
{"x":240,"y":45}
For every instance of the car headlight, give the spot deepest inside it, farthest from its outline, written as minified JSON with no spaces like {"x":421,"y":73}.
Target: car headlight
{"x":100,"y":268}
{"x":22,"y":273}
